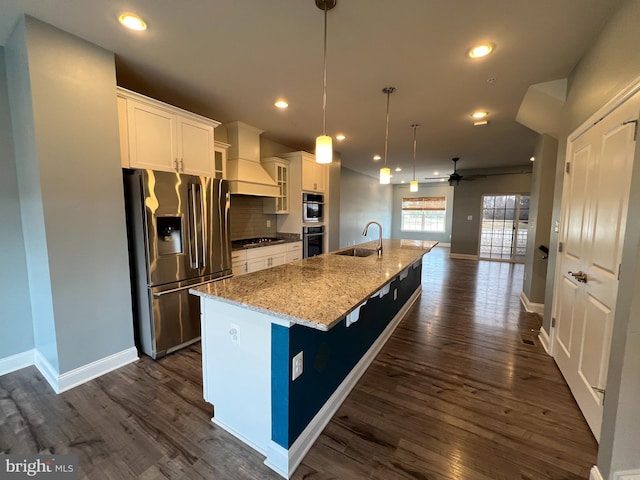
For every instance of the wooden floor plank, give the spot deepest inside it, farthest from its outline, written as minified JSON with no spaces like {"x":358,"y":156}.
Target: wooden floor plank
{"x":454,"y":394}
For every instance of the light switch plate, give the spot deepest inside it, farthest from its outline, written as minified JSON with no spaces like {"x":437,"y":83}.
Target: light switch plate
{"x":296,"y":366}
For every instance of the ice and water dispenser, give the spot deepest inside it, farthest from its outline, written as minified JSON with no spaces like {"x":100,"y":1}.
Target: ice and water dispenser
{"x":169,"y":235}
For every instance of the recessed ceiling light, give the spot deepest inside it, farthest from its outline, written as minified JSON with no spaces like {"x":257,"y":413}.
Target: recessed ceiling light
{"x":132,"y":21}
{"x":340,"y":137}
{"x":436,"y":173}
{"x":481,"y":123}
{"x":398,"y":169}
{"x":533,"y":159}
{"x":479,"y":114}
{"x":403,"y":181}
{"x":480,"y":50}
{"x":281,"y":103}
{"x":377,"y":157}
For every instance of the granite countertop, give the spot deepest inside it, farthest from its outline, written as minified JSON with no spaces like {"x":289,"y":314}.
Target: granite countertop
{"x":319,"y":291}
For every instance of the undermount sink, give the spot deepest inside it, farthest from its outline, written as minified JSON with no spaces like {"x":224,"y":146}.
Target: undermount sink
{"x":356,"y":252}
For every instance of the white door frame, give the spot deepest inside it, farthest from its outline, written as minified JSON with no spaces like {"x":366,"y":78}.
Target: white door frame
{"x":606,"y":109}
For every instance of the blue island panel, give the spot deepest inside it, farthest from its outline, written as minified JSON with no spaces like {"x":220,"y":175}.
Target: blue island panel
{"x":328,"y":358}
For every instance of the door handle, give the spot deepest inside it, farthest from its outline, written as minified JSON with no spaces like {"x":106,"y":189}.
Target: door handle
{"x":579,"y":276}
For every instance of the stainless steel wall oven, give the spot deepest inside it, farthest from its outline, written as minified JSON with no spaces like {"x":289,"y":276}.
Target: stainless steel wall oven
{"x":312,"y":207}
{"x":312,"y":241}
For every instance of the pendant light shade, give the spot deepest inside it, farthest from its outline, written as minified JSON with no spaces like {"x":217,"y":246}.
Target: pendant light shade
{"x":385,"y":176}
{"x":324,"y":149}
{"x":324,"y":146}
{"x":385,"y":172}
{"x":413,"y":186}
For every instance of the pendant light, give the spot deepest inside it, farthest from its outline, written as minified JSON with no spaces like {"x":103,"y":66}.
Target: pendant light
{"x":413,"y":186}
{"x":324,"y":147}
{"x":385,"y":172}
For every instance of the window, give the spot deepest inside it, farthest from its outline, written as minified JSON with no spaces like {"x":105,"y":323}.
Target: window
{"x":423,"y":214}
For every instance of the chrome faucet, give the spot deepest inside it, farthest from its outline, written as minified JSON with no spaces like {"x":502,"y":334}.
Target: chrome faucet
{"x":364,"y":234}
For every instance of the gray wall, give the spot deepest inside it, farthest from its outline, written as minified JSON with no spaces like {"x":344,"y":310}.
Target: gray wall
{"x":363,"y":199}
{"x":63,"y":108}
{"x":467,"y":202}
{"x":15,"y":314}
{"x":610,"y":65}
{"x":540,"y":210}
{"x":425,"y":190}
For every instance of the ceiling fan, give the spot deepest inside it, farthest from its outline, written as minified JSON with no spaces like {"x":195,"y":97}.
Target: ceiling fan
{"x":454,"y":178}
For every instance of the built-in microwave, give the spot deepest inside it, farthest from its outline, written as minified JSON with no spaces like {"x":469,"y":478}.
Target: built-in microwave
{"x":312,"y":207}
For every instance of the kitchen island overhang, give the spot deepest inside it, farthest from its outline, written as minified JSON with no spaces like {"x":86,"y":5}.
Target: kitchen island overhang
{"x":334,"y":311}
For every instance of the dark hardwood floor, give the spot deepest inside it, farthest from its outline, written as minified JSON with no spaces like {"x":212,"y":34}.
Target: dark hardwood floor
{"x":462,"y":390}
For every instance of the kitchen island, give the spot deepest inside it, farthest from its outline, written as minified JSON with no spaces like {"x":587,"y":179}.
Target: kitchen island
{"x":283,"y":347}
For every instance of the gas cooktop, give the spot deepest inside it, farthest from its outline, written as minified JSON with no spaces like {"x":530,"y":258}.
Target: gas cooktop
{"x":255,"y":242}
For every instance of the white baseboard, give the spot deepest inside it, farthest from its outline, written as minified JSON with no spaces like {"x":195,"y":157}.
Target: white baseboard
{"x":543,"y":336}
{"x":16,"y":362}
{"x":594,"y":474}
{"x":48,"y":371}
{"x":463,"y":256}
{"x":627,"y":475}
{"x":530,"y":306}
{"x":80,"y":375}
{"x":284,"y":461}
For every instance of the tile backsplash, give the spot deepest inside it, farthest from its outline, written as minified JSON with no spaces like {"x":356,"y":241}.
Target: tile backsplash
{"x":248,"y":219}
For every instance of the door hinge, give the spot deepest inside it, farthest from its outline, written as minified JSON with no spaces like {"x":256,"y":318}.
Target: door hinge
{"x":560,"y":246}
{"x":567,"y":167}
{"x":553,"y":322}
{"x":635,"y":128}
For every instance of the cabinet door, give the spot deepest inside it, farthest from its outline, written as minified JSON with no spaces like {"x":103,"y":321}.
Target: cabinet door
{"x":256,"y":264}
{"x":312,"y":175}
{"x":152,"y":137}
{"x":308,"y":174}
{"x":220,"y":163}
{"x":294,"y":251}
{"x":196,"y":152}
{"x":278,"y":259}
{"x":320,"y":177}
{"x":123,"y":131}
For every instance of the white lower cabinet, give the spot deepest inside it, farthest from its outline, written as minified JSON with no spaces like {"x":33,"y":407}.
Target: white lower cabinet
{"x":294,"y":251}
{"x":255,"y":259}
{"x":266,"y":257}
{"x":239,"y":262}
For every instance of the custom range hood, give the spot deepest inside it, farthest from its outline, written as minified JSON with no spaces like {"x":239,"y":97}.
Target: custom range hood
{"x":245,"y":173}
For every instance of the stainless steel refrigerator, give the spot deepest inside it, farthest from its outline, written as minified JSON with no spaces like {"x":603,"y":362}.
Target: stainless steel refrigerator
{"x":178,"y":227}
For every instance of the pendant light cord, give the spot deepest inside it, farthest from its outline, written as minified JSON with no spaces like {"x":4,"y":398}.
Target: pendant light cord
{"x":415,"y":127}
{"x":388,"y":91}
{"x":386,"y":132}
{"x":324,"y":78}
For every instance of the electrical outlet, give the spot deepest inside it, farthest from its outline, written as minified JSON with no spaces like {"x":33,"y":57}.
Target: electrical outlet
{"x":234,"y":332}
{"x":469,"y":217}
{"x":296,"y":366}
{"x":268,"y":223}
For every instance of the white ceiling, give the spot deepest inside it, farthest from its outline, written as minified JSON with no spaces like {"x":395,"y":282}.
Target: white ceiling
{"x":231,"y":59}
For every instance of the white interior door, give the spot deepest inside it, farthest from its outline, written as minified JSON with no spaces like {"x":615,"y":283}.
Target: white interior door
{"x":597,"y":182}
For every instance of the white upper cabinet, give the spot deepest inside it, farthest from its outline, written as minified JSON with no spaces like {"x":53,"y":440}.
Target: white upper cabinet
{"x":161,"y":137}
{"x":220,"y":160}
{"x":313,"y":174}
{"x":278,"y":168}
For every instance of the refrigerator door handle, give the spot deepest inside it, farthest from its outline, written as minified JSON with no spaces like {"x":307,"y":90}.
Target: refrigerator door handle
{"x":203,"y":229}
{"x":173,"y":290}
{"x":193,"y":229}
